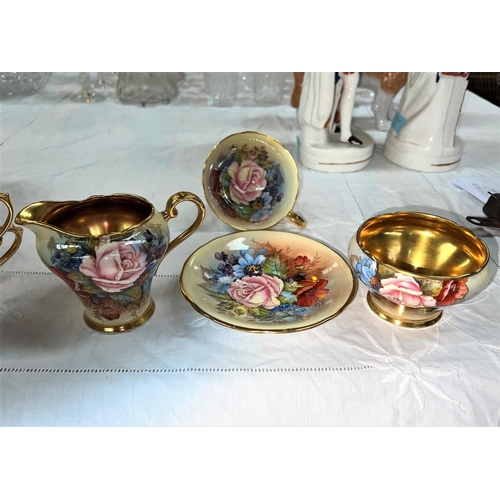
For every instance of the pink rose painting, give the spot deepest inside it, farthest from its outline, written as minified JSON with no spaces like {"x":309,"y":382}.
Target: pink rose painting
{"x":255,"y":291}
{"x":262,"y":283}
{"x":405,"y":290}
{"x":116,"y":266}
{"x":248,"y":181}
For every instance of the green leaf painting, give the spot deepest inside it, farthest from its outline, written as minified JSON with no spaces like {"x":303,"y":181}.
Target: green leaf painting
{"x":274,"y":267}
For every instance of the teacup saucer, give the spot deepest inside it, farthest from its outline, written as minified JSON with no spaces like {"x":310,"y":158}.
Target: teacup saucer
{"x":251,"y":181}
{"x":267,"y":281}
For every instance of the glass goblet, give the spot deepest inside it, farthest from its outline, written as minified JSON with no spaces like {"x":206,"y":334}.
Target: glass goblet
{"x":87,"y":93}
{"x":106,"y":80}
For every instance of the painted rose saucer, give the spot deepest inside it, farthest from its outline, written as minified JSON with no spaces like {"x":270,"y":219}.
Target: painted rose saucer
{"x":267,"y":281}
{"x":251,"y":181}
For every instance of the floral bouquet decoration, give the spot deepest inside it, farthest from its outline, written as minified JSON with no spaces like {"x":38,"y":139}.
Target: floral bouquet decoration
{"x":405,"y":289}
{"x":265,"y":283}
{"x":247,"y":184}
{"x":110,"y":277}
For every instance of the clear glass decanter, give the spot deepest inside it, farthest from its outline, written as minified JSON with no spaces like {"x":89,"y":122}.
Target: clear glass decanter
{"x":146,"y":89}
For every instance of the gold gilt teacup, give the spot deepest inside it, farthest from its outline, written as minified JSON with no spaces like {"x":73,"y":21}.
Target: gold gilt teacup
{"x":107,"y":249}
{"x":414,"y":264}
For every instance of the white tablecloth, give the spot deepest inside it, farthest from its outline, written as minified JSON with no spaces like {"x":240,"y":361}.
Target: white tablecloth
{"x":181,"y":369}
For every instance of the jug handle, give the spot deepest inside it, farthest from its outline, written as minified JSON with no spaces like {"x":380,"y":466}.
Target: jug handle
{"x":171,"y":211}
{"x":9,"y":227}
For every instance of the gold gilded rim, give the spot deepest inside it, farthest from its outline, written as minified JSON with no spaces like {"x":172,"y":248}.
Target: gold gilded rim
{"x":347,"y":163}
{"x":444,"y":164}
{"x":110,"y":330}
{"x":434,"y":277}
{"x":214,"y":207}
{"x":247,"y":234}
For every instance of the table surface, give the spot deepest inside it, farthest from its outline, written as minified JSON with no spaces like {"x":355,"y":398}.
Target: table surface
{"x":180,"y":368}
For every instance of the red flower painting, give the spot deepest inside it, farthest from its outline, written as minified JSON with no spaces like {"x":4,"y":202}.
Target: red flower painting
{"x":310,"y":291}
{"x":301,"y":261}
{"x":451,"y":291}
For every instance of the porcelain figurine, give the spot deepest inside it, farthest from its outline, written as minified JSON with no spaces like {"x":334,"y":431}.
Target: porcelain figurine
{"x":422,"y":135}
{"x":386,"y":87}
{"x":107,"y":249}
{"x":298,"y":79}
{"x":327,"y":141}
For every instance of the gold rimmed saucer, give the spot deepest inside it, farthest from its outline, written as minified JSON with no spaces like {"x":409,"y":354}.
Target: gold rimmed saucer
{"x":251,"y":181}
{"x":267,"y":281}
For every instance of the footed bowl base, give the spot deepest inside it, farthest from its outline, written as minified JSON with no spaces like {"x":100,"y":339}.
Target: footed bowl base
{"x":401,"y":315}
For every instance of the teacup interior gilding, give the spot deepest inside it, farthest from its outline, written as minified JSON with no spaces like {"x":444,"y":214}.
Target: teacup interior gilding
{"x":423,"y":244}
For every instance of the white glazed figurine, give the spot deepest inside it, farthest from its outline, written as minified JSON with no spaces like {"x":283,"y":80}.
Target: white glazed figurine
{"x":386,"y":86}
{"x":422,"y":135}
{"x":327,"y":142}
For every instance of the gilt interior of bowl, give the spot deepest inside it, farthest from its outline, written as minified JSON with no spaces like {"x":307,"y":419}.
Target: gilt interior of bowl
{"x":250,"y":181}
{"x":423,"y":244}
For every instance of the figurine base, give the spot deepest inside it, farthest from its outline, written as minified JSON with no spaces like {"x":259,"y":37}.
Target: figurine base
{"x":415,"y":157}
{"x":338,"y":157}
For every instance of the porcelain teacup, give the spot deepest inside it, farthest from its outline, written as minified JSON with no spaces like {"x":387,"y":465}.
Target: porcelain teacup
{"x":251,"y":182}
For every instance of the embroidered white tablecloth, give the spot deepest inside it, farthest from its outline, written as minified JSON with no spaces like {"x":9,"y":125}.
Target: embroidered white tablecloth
{"x":181,"y":369}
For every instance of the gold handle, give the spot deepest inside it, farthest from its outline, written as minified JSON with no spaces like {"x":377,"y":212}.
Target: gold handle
{"x":8,"y":227}
{"x":297,"y":219}
{"x":170,"y":212}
